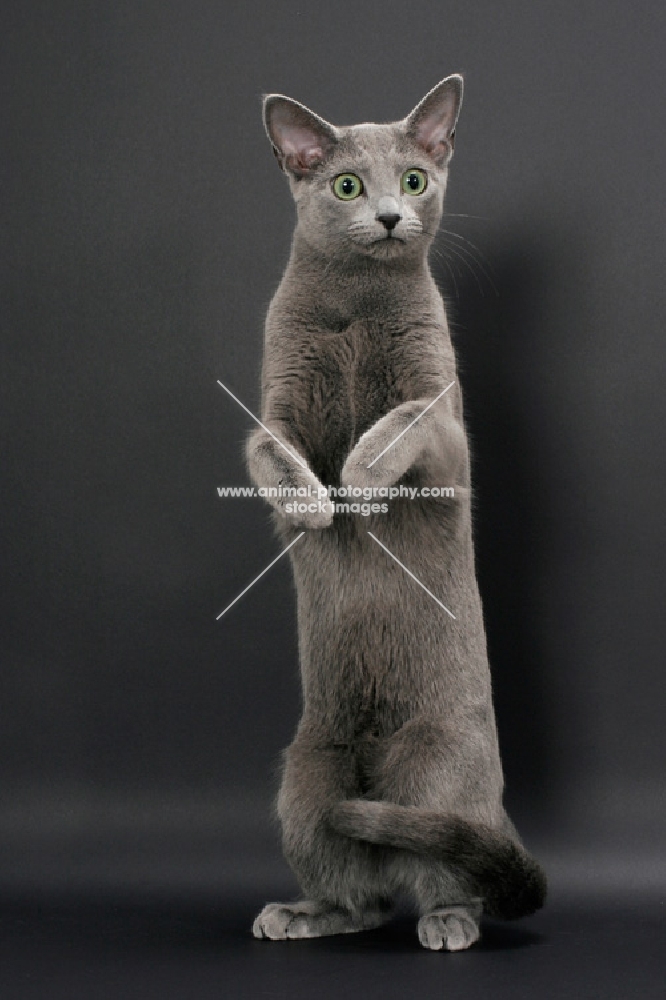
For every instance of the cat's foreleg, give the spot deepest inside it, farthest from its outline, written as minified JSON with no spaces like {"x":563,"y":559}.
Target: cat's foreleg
{"x":277,"y":466}
{"x":413,"y":434}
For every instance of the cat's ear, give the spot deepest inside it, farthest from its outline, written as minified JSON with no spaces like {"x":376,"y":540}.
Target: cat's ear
{"x":432,"y":123}
{"x":301,"y":139}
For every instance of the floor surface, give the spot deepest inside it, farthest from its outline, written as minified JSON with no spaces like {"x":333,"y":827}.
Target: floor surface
{"x":84,"y":950}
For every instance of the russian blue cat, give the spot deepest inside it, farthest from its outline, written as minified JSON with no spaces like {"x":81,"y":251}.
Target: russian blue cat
{"x":393,"y":783}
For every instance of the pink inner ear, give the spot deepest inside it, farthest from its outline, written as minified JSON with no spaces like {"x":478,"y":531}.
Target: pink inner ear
{"x":434,"y":124}
{"x":431,"y":132}
{"x":301,"y":144}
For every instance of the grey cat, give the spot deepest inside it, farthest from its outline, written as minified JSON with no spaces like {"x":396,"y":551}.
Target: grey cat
{"x":393,"y":783}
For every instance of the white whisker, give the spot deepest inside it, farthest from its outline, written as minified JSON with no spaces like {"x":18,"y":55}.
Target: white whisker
{"x":464,"y":253}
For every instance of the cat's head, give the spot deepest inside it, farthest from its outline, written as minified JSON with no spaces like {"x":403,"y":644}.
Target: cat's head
{"x":375,"y":190}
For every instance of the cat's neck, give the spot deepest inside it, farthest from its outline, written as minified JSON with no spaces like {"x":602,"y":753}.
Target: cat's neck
{"x":346,"y":280}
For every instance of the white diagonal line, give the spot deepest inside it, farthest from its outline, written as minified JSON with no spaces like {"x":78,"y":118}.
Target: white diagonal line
{"x":409,"y":573}
{"x":267,"y":429}
{"x":410,"y":425}
{"x":259,"y":577}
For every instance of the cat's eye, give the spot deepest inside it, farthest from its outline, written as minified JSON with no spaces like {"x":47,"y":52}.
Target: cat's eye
{"x":347,"y":186}
{"x":414,"y":181}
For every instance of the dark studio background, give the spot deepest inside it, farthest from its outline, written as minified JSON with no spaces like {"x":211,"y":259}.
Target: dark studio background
{"x":144,"y":227}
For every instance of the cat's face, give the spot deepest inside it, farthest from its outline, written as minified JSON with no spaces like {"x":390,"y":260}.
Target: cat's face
{"x":375,"y":190}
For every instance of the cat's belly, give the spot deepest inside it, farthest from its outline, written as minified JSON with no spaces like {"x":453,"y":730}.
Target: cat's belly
{"x":382,"y":642}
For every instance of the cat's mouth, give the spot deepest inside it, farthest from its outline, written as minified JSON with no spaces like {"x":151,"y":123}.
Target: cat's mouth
{"x":389,"y":244}
{"x":385,"y":245}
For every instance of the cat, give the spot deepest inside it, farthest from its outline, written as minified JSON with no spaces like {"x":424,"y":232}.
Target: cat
{"x":393,"y":783}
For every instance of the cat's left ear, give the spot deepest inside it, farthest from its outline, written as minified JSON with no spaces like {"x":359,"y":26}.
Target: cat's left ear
{"x":301,"y":139}
{"x":432,"y":123}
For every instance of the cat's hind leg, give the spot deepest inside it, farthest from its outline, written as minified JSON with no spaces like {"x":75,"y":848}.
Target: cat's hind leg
{"x":449,"y":911}
{"x":342,"y":879}
{"x":425,"y":765}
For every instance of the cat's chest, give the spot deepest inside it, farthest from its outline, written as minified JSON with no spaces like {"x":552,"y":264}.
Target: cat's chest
{"x":358,"y":375}
{"x":353,"y":378}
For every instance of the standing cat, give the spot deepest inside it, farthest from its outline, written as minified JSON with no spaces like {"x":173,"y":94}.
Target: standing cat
{"x":393,"y":782}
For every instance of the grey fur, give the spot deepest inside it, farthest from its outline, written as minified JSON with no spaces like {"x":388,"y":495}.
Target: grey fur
{"x":393,"y":781}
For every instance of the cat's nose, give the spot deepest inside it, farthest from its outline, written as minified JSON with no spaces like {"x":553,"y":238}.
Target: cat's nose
{"x":388,"y":213}
{"x":389,"y":221}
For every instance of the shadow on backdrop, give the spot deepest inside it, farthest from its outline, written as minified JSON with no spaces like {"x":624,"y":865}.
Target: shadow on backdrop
{"x":493,"y":307}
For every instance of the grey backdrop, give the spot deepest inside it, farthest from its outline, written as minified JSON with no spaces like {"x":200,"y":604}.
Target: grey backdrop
{"x":144,"y":227}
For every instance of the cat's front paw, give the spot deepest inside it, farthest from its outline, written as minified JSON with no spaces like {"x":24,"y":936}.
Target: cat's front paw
{"x":364,"y":468}
{"x":308,"y":513}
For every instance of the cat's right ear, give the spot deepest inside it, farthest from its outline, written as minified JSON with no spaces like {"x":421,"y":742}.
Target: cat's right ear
{"x":301,"y":140}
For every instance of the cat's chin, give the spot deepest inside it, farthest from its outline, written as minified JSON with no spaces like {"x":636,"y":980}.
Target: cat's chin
{"x":384,"y":249}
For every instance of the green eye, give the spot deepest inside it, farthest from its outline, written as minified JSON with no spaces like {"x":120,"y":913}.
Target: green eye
{"x":347,"y":186}
{"x":414,"y":181}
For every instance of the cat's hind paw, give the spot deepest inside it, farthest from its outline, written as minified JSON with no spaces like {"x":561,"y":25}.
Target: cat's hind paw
{"x":452,"y":928}
{"x":280,"y":921}
{"x":307,"y":919}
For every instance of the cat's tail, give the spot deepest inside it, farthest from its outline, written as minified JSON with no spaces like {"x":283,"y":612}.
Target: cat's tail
{"x":511,"y":883}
